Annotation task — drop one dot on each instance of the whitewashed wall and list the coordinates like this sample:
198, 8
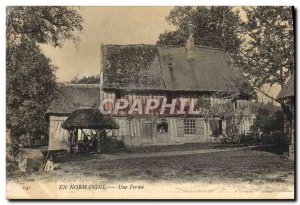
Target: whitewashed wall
58, 137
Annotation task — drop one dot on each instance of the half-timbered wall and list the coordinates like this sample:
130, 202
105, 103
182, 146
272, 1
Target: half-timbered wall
131, 96
135, 130
133, 133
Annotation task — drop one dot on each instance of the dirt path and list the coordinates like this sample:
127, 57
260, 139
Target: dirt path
106, 157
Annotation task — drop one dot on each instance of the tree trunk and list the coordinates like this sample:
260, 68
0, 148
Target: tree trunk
288, 112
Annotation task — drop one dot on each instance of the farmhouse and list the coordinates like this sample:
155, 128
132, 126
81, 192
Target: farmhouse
195, 75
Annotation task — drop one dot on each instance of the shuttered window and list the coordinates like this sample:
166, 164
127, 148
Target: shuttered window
189, 127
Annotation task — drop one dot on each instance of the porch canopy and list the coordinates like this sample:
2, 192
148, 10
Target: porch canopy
89, 119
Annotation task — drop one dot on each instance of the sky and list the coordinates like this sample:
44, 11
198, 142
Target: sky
108, 25
112, 25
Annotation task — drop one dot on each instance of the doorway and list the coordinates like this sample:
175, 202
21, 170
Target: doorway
220, 127
147, 133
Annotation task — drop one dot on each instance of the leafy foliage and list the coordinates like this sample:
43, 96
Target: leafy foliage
214, 26
267, 121
266, 55
30, 75
30, 84
226, 111
262, 46
42, 24
93, 79
268, 128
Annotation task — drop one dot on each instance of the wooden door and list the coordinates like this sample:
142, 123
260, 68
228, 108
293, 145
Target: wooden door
147, 133
220, 127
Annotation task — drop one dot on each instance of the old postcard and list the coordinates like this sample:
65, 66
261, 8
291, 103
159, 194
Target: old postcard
189, 102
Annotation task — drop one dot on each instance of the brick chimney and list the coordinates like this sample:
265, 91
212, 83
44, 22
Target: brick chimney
190, 45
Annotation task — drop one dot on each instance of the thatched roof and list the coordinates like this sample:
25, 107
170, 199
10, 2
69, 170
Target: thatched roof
89, 119
151, 67
287, 90
75, 96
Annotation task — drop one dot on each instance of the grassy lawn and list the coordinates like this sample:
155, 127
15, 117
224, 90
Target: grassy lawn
233, 166
179, 147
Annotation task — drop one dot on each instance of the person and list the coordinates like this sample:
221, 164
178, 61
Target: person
162, 130
49, 165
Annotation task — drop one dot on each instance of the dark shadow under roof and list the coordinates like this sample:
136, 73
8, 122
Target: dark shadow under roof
89, 119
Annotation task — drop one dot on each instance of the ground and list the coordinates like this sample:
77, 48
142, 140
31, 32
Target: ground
241, 164
230, 166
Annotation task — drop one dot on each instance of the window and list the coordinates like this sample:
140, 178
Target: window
189, 127
162, 127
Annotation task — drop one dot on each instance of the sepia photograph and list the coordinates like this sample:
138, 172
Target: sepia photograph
150, 102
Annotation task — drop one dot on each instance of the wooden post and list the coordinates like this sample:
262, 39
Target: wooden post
76, 136
71, 141
98, 141
102, 141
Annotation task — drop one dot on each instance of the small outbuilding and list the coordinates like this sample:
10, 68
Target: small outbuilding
69, 98
93, 125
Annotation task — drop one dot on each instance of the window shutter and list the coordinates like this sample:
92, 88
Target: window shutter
180, 126
127, 127
200, 126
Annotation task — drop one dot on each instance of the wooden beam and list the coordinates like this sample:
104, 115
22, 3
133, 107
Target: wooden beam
71, 141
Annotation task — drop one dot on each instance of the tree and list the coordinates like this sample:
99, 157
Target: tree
93, 79
30, 85
266, 55
42, 24
262, 46
30, 75
214, 26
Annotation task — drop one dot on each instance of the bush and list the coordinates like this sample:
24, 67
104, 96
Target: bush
27, 140
250, 138
277, 139
11, 167
113, 143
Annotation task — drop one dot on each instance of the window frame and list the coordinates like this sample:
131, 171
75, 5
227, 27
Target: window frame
161, 122
189, 128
